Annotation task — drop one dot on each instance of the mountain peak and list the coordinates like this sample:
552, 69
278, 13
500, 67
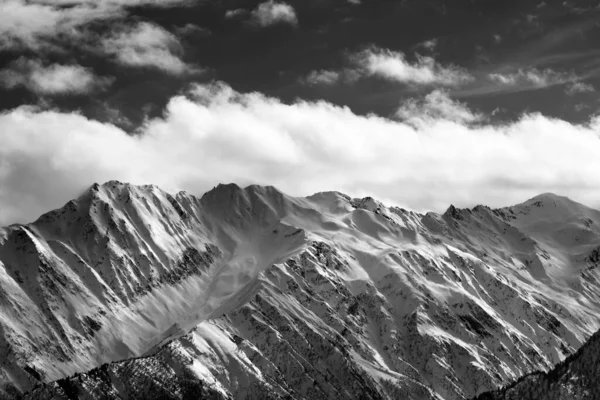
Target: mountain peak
329, 193
232, 190
547, 197
367, 203
550, 202
113, 183
262, 188
227, 189
453, 212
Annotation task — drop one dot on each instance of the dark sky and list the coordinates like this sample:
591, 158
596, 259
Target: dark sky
483, 37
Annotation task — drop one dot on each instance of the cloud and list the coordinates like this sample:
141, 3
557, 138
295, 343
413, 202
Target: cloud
271, 13
532, 77
579, 87
192, 30
53, 79
394, 66
54, 25
236, 13
146, 45
437, 105
30, 24
321, 77
511, 80
215, 134
430, 44
36, 23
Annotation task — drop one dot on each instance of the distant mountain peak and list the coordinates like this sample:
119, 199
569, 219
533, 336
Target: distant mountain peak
367, 203
556, 206
546, 198
454, 212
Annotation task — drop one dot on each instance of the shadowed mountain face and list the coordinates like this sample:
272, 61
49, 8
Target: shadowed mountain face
130, 292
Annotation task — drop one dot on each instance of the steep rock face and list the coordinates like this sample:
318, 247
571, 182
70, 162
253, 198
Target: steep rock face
575, 378
151, 378
114, 274
247, 291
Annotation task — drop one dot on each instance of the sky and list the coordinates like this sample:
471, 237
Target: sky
420, 104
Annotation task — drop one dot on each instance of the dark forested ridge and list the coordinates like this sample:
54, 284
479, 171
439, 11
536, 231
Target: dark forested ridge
575, 378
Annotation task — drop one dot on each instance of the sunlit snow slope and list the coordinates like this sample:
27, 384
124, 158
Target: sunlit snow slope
249, 293
575, 378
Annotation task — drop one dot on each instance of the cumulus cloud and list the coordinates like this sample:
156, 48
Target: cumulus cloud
321, 77
235, 13
53, 25
579, 87
430, 44
215, 134
34, 23
327, 77
30, 23
53, 79
146, 45
271, 13
394, 66
192, 30
437, 105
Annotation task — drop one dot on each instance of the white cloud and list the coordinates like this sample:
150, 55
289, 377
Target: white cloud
238, 12
271, 12
192, 30
219, 135
437, 105
27, 24
430, 44
394, 66
53, 79
147, 45
326, 77
532, 77
579, 87
321, 77
34, 23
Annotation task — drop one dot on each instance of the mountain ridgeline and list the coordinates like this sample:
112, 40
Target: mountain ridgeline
246, 293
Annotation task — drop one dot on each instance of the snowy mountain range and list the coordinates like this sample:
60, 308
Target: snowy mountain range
247, 293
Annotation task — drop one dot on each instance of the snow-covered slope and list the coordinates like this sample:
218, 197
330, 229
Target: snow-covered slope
118, 271
575, 378
249, 291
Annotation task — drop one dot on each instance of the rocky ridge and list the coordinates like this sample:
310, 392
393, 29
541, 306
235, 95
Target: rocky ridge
249, 291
